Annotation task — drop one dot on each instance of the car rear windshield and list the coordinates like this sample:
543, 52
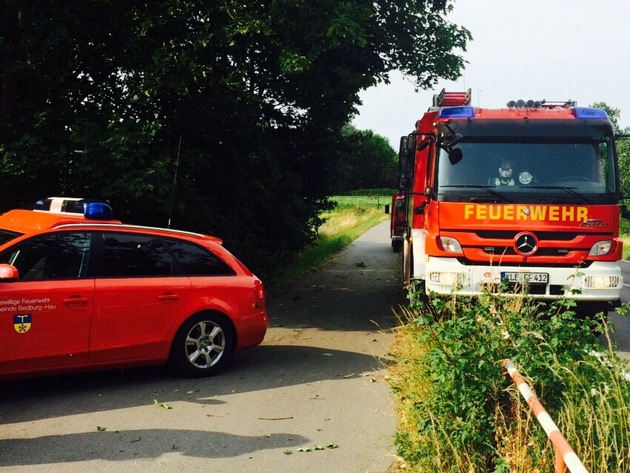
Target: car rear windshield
196, 261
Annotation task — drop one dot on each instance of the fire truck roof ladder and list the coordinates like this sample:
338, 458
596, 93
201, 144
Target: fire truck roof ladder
559, 103
451, 99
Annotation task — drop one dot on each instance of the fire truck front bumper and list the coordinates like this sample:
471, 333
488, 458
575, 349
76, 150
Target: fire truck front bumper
601, 281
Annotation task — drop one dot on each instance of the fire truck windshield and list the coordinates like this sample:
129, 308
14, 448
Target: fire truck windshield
511, 164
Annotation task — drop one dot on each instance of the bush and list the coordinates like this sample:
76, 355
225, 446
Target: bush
459, 413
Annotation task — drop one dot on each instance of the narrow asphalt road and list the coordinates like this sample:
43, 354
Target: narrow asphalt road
313, 398
342, 317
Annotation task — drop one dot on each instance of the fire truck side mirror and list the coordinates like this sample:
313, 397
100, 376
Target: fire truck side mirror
403, 155
455, 155
625, 213
403, 145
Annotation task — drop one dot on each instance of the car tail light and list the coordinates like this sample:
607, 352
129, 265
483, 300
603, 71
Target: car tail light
259, 293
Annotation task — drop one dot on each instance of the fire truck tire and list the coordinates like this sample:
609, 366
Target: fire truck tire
407, 262
589, 310
397, 246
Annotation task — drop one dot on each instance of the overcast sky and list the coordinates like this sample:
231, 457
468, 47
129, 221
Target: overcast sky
522, 49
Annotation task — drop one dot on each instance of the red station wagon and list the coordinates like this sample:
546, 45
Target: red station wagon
79, 290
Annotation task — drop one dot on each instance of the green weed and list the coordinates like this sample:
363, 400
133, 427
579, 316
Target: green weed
459, 413
624, 232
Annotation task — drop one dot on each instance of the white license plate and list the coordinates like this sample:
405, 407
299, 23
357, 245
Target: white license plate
531, 278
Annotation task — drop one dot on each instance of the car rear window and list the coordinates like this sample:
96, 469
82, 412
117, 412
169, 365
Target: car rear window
197, 261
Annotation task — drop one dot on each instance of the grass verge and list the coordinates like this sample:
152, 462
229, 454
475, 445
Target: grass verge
624, 234
459, 413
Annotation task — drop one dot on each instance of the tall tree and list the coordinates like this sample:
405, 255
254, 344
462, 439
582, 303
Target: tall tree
218, 116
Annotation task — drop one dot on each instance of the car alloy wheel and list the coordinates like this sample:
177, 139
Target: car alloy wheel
205, 344
202, 345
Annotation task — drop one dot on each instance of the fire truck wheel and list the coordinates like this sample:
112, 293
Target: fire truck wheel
397, 246
589, 310
407, 262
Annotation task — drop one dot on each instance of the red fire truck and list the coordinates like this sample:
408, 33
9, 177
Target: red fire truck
522, 197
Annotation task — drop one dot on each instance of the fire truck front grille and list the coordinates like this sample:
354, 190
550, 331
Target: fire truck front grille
509, 251
561, 246
510, 235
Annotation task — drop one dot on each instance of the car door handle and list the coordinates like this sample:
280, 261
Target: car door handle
75, 300
168, 297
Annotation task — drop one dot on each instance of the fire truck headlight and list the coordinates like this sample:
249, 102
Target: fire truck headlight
600, 248
450, 244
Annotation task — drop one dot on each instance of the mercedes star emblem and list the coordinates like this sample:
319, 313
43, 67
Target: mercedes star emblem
525, 243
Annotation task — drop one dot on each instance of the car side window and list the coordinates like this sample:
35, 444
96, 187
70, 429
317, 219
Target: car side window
128, 255
7, 235
51, 256
197, 261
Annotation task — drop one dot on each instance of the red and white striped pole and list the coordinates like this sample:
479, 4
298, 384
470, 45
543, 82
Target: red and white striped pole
565, 456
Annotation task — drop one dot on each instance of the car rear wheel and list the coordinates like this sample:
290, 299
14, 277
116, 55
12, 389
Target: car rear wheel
202, 345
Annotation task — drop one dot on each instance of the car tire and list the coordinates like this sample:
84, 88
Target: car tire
202, 345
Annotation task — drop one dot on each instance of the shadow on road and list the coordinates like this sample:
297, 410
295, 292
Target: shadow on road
136, 445
41, 398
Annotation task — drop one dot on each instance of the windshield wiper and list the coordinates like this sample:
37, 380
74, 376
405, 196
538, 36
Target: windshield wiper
489, 190
568, 190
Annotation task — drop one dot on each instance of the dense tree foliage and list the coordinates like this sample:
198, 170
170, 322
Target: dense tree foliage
367, 162
217, 116
623, 150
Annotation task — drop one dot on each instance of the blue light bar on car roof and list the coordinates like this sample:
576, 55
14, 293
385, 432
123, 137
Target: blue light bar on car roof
595, 113
92, 209
98, 211
457, 112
